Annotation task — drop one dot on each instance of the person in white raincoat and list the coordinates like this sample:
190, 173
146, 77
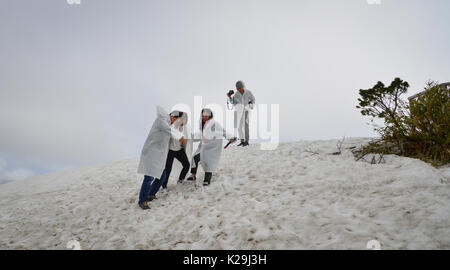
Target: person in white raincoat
210, 148
177, 150
154, 153
244, 102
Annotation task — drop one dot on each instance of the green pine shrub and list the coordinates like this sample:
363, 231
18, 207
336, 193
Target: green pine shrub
420, 129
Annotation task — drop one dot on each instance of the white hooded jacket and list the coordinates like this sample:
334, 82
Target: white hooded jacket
210, 147
156, 147
241, 101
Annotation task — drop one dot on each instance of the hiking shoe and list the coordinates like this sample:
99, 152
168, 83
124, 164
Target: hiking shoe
191, 178
163, 190
241, 144
206, 183
144, 205
245, 144
151, 198
180, 181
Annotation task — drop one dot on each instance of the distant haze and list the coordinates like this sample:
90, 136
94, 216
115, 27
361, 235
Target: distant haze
79, 83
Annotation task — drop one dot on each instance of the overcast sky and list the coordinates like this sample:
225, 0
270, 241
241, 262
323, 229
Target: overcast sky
79, 83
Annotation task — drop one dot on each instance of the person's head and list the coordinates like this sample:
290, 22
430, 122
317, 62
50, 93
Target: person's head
206, 115
183, 119
240, 86
175, 115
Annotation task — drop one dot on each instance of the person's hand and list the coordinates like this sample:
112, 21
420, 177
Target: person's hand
183, 141
232, 140
228, 95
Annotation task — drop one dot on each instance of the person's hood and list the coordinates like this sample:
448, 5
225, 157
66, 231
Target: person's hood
160, 111
162, 114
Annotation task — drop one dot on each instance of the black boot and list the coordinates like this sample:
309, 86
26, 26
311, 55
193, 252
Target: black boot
144, 205
207, 180
191, 178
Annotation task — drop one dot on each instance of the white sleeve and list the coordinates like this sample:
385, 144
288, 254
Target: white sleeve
252, 97
225, 134
176, 134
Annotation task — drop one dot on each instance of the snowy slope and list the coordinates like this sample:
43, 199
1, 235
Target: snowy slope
289, 198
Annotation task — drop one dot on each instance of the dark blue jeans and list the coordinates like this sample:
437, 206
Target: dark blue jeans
150, 186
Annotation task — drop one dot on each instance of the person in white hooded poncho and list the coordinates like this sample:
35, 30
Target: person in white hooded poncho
154, 153
210, 148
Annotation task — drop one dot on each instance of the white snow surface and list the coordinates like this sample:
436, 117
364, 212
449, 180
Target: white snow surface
288, 198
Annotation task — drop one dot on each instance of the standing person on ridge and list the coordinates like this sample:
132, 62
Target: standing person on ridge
243, 101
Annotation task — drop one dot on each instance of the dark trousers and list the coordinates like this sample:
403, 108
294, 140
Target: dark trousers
150, 186
196, 161
182, 158
208, 175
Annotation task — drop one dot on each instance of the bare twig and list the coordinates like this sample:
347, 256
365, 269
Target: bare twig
308, 150
381, 159
339, 147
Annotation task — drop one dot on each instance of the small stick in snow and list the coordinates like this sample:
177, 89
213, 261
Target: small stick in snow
307, 150
339, 147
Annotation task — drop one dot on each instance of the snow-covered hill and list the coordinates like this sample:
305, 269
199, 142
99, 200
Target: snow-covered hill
290, 198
